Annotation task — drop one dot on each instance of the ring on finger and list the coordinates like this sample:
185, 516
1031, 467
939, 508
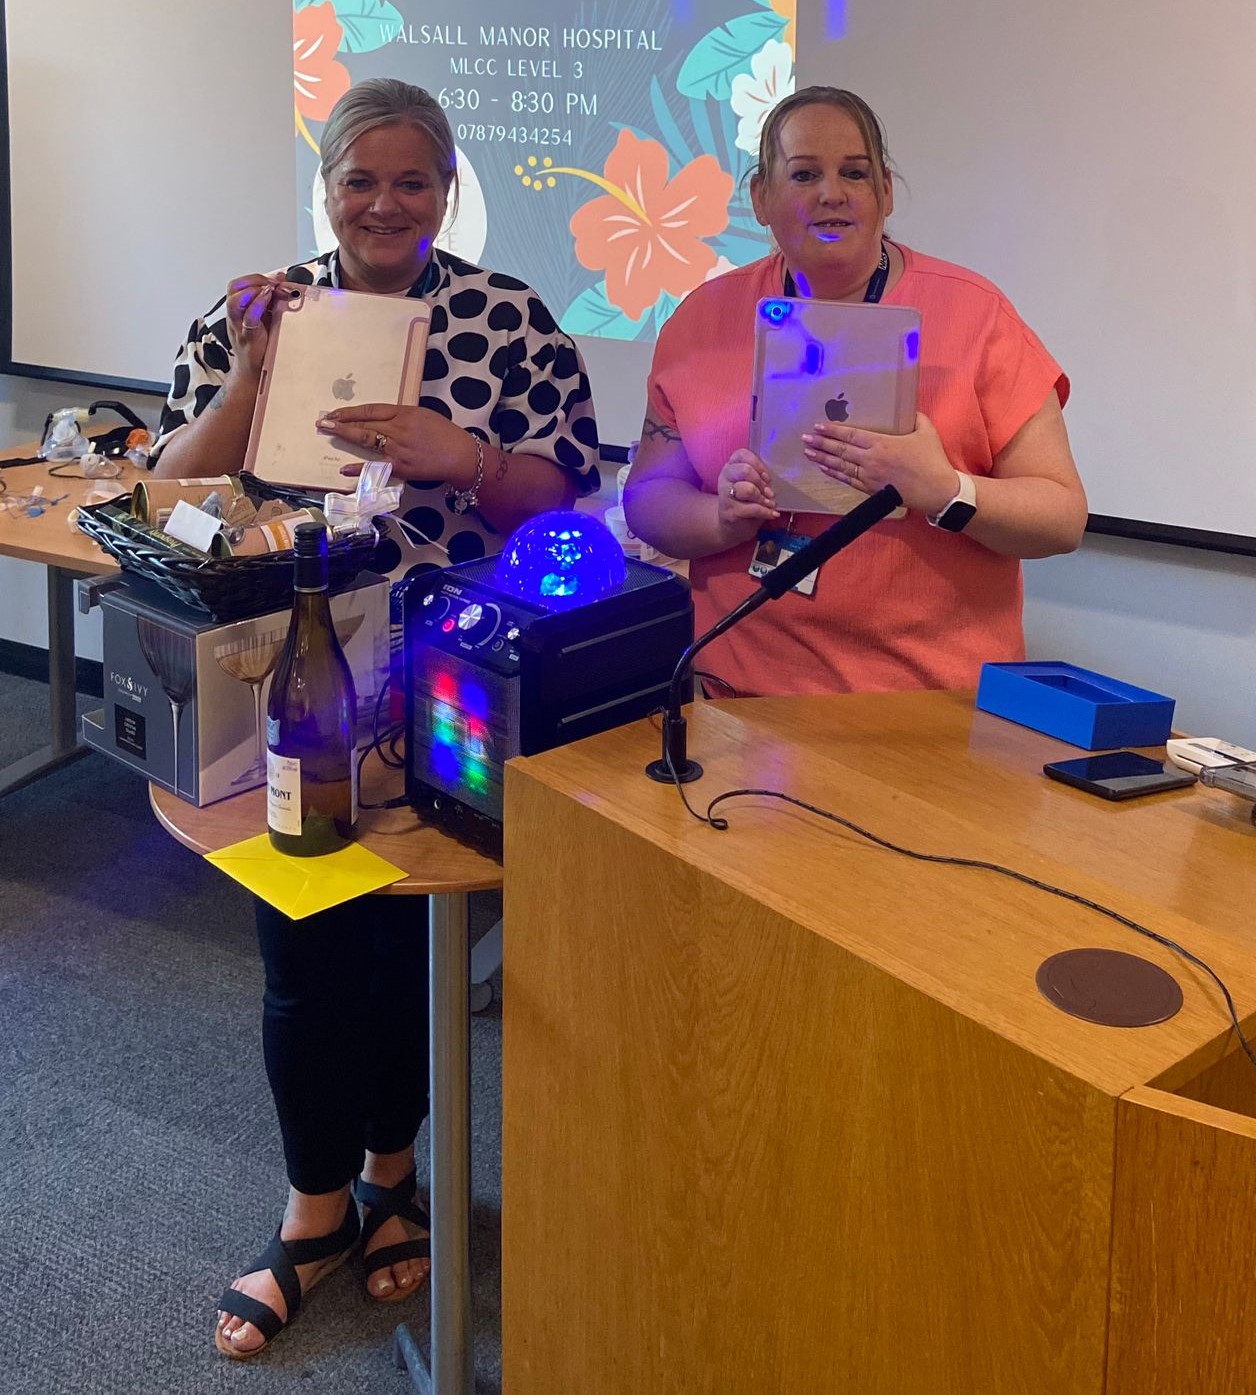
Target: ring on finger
732, 490
381, 441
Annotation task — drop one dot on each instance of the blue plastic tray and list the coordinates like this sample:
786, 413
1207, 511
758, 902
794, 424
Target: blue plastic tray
1087, 709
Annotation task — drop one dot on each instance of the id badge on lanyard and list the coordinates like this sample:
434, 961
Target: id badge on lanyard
772, 547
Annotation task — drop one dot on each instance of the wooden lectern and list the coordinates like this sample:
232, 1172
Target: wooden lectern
785, 1112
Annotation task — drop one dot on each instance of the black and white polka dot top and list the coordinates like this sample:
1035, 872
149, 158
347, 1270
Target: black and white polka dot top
497, 364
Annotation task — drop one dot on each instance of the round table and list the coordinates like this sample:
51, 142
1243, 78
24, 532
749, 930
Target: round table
443, 869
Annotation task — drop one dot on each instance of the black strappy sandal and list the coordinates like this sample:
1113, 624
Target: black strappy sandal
281, 1257
385, 1203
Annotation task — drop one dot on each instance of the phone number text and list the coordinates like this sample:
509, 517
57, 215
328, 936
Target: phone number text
519, 135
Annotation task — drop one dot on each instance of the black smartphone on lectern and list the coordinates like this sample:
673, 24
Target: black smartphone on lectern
1118, 775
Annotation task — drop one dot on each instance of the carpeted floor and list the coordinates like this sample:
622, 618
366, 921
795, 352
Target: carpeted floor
139, 1161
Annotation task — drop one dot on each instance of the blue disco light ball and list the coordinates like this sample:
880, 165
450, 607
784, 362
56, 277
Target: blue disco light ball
561, 560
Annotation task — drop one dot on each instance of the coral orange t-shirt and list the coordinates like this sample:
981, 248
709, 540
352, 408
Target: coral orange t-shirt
906, 605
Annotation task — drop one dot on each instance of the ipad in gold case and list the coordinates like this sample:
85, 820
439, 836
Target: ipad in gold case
824, 359
330, 348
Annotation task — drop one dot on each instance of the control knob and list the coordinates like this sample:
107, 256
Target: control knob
478, 623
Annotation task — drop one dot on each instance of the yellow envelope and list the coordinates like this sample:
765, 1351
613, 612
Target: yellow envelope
299, 886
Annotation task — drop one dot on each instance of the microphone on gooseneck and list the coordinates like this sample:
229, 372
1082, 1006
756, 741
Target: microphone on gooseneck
835, 537
675, 765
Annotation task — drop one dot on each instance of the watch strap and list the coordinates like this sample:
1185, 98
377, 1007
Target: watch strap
956, 515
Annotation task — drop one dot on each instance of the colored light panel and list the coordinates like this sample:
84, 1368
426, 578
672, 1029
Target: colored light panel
461, 751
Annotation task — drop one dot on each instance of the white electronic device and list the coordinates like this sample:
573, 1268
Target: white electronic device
1198, 752
818, 359
330, 348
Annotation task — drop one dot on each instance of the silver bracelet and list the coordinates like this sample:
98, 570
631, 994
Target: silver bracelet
460, 500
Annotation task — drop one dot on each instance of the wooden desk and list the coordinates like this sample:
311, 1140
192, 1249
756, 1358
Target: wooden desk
444, 870
785, 1111
66, 553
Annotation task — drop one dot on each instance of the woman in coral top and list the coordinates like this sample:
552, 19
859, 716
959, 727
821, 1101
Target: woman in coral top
987, 475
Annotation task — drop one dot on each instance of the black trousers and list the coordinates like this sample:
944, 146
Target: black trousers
345, 1032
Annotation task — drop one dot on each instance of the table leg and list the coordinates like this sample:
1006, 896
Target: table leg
62, 710
451, 1369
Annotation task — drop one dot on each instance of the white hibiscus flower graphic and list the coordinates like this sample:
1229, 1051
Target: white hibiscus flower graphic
754, 94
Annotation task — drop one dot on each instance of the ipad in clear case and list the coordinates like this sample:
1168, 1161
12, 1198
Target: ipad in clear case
818, 359
329, 348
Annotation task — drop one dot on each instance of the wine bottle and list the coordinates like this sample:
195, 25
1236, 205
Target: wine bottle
311, 765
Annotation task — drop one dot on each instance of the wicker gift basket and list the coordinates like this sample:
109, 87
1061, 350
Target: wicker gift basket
228, 588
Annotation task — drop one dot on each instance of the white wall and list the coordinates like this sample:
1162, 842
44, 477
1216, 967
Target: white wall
1172, 619
135, 200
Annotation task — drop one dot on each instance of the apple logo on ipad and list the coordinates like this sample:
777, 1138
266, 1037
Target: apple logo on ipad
837, 408
343, 389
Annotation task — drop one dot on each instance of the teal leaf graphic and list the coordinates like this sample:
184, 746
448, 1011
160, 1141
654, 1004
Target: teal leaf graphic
746, 223
738, 159
741, 249
677, 146
591, 313
702, 126
635, 130
367, 24
717, 58
663, 308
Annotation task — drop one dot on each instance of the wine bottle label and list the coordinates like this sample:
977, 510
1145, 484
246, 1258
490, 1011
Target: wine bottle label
283, 793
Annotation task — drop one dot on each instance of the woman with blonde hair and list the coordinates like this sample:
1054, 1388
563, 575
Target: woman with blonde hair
503, 429
987, 475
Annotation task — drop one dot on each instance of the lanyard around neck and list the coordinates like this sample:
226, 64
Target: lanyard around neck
876, 286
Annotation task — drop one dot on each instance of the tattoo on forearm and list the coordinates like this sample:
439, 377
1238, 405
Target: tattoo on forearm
503, 465
653, 427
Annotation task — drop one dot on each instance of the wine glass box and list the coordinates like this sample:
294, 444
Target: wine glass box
185, 695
